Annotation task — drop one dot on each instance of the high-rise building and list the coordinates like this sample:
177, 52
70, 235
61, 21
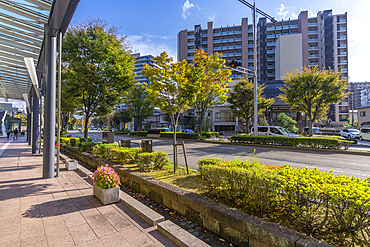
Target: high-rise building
139, 66
360, 94
317, 41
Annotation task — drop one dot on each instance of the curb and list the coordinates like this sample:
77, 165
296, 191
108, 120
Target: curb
172, 231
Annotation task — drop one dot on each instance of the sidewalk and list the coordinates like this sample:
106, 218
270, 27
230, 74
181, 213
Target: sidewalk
61, 211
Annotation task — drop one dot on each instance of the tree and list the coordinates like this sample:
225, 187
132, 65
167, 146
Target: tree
287, 122
212, 79
98, 68
170, 90
139, 104
241, 100
122, 116
312, 91
262, 122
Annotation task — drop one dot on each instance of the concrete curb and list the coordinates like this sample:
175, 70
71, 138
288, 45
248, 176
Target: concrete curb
178, 235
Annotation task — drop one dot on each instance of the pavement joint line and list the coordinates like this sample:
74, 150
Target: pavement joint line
2, 149
144, 212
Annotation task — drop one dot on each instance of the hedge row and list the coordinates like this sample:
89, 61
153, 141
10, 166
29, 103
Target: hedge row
306, 142
73, 141
122, 132
139, 133
319, 203
179, 135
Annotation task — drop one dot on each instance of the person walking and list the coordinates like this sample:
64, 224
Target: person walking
7, 133
15, 134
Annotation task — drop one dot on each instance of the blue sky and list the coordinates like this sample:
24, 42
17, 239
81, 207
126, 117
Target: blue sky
152, 26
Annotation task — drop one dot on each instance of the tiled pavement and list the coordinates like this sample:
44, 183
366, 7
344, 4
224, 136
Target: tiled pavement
61, 211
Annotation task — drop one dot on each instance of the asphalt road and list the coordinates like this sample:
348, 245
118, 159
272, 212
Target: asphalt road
346, 164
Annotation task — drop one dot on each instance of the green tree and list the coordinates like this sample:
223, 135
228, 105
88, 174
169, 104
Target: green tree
312, 91
212, 82
171, 90
262, 122
98, 68
122, 116
140, 106
241, 100
287, 122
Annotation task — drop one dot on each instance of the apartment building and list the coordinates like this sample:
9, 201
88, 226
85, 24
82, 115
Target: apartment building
318, 41
138, 67
360, 94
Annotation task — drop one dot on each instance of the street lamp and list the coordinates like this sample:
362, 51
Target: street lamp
273, 19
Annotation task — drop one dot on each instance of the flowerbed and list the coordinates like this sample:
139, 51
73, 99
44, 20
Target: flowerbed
323, 205
305, 142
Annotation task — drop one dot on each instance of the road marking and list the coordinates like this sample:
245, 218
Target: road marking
2, 149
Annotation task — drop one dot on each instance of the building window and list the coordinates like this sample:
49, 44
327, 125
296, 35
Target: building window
362, 113
217, 115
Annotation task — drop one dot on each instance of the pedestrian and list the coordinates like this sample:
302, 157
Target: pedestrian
7, 133
15, 134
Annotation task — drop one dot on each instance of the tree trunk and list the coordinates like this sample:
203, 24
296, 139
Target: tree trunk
86, 129
247, 126
174, 149
201, 117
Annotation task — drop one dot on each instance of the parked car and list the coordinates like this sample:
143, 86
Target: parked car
350, 133
164, 130
315, 130
187, 131
273, 131
365, 134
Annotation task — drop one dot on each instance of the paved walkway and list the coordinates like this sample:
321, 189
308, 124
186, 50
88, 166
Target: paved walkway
61, 211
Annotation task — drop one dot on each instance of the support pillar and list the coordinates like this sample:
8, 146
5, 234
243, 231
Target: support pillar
49, 106
29, 120
28, 128
35, 122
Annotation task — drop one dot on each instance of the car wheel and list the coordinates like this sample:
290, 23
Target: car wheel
349, 136
361, 139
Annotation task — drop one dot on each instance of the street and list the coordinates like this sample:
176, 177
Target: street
346, 164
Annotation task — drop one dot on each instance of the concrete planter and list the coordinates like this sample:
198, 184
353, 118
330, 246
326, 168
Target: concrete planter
107, 196
71, 165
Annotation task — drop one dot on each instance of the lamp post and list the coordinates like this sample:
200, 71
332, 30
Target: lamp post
273, 19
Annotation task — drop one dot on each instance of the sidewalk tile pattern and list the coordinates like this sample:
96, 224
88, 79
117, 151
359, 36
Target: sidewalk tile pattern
61, 211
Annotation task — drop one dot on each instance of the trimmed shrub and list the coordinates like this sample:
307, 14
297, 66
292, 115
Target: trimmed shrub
179, 135
87, 146
305, 142
150, 161
125, 155
122, 132
210, 134
73, 141
103, 150
141, 133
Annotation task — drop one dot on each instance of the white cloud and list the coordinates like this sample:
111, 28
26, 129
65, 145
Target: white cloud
282, 11
211, 17
185, 7
146, 46
16, 103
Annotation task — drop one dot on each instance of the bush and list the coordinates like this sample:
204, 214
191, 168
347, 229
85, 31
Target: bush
306, 142
210, 134
126, 155
103, 150
141, 133
87, 146
122, 132
150, 161
179, 135
82, 139
73, 141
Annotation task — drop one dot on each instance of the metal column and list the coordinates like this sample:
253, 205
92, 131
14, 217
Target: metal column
35, 122
28, 127
29, 119
49, 106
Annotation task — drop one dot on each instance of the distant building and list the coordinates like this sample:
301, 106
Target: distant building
360, 94
314, 41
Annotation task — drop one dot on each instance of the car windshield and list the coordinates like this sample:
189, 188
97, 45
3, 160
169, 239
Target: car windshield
353, 131
282, 129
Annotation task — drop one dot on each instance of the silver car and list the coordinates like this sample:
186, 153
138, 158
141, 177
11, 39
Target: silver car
350, 133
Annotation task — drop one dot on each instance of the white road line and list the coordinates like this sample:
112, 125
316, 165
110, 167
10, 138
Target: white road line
2, 149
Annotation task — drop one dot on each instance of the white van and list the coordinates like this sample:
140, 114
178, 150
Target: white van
365, 134
273, 131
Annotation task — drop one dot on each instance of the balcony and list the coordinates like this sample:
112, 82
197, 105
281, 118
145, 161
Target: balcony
343, 104
294, 26
238, 54
270, 51
270, 74
190, 57
190, 50
313, 56
270, 28
286, 27
313, 63
270, 36
238, 46
237, 39
341, 29
238, 31
270, 66
312, 40
312, 32
216, 34
312, 48
342, 45
342, 21
312, 24
250, 60
270, 44
342, 37
190, 43
217, 48
271, 59
342, 53
342, 62
250, 37
204, 34
190, 36
216, 41
204, 42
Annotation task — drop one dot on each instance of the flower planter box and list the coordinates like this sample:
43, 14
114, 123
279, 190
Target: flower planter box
107, 196
71, 165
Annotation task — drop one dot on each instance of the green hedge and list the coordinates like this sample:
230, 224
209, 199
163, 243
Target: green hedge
306, 142
141, 133
122, 132
154, 160
103, 150
210, 134
179, 135
125, 155
82, 139
321, 204
87, 146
